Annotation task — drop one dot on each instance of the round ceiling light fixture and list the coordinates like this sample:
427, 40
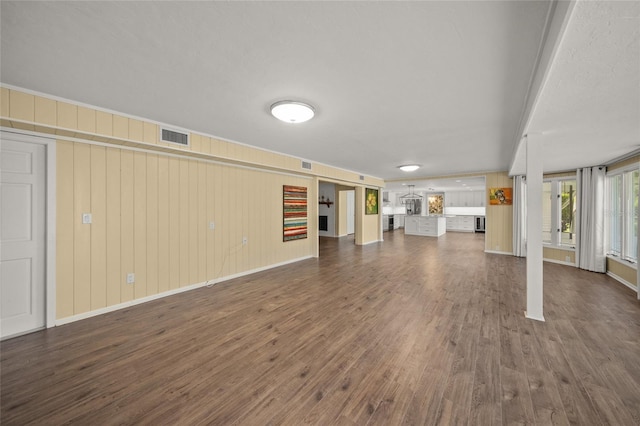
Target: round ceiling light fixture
292, 111
409, 167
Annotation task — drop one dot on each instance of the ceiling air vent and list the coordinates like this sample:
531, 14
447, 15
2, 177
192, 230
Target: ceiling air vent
361, 177
172, 136
306, 165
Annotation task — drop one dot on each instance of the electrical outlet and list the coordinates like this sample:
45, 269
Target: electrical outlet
244, 241
212, 225
86, 218
567, 259
131, 278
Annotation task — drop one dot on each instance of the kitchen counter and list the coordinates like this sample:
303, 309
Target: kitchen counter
429, 226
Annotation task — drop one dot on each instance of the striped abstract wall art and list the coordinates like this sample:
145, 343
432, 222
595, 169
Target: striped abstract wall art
295, 212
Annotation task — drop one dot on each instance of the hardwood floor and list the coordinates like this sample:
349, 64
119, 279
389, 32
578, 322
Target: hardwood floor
415, 330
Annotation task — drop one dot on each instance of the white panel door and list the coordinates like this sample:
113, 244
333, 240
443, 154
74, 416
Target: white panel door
351, 212
23, 237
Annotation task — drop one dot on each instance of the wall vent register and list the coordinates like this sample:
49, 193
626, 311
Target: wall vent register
172, 136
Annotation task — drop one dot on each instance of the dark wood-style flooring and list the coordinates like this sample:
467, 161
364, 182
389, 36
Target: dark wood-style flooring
415, 330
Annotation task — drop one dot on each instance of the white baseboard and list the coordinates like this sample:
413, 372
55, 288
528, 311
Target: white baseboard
499, 252
623, 281
172, 292
533, 317
560, 262
371, 242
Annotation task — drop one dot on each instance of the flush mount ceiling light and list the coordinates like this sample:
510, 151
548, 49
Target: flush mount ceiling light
409, 167
292, 111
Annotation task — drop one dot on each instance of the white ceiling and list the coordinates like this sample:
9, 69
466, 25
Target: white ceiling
442, 84
588, 109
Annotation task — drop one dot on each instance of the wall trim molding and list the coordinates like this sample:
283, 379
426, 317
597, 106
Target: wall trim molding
130, 303
560, 262
499, 252
149, 150
158, 123
622, 281
371, 242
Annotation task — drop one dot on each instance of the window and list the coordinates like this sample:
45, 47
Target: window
622, 215
559, 204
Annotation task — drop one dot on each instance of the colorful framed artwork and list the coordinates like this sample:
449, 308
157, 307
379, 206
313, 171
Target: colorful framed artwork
436, 204
294, 209
371, 201
500, 197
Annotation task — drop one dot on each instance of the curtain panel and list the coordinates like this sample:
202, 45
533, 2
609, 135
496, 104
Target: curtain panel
590, 252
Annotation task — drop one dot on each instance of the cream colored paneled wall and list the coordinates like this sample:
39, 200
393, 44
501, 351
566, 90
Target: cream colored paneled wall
499, 219
559, 255
151, 216
31, 112
625, 272
151, 210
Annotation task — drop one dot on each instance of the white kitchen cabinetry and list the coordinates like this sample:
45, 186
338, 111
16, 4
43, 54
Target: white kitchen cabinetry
398, 221
429, 226
452, 199
461, 223
464, 199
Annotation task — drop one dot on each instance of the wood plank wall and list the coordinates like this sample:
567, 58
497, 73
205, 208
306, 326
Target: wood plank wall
151, 210
499, 219
151, 215
22, 110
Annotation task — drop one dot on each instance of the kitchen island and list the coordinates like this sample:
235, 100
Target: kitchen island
429, 226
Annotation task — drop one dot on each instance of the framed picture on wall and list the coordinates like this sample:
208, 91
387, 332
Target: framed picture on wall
500, 196
294, 209
371, 201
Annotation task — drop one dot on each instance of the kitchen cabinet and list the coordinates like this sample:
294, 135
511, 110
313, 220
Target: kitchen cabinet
460, 223
429, 226
464, 199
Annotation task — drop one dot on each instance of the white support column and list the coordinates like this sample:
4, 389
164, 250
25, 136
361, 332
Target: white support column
534, 228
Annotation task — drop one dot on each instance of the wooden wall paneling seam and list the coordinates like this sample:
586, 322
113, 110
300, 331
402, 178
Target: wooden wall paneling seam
113, 228
210, 216
104, 123
127, 253
152, 241
86, 120
194, 185
140, 225
21, 105
98, 227
65, 230
184, 222
82, 232
163, 224
224, 225
45, 111
67, 115
175, 245
202, 221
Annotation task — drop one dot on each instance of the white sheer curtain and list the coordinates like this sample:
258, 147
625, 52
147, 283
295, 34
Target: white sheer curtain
590, 254
519, 216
